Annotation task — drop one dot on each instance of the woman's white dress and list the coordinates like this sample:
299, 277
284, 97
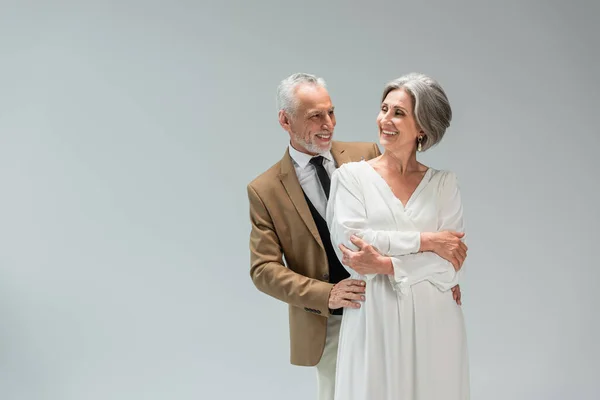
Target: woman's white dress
407, 341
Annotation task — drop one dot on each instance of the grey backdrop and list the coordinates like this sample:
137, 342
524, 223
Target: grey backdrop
130, 129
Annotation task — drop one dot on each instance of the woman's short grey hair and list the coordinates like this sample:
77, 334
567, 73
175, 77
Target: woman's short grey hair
286, 98
431, 107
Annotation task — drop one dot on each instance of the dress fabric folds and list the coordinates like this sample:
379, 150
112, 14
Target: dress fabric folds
408, 340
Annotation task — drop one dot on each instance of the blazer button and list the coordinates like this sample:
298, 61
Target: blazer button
326, 277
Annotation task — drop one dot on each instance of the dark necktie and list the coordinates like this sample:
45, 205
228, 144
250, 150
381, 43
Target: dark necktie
322, 174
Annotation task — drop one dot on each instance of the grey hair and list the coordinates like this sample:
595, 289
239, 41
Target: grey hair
286, 99
431, 107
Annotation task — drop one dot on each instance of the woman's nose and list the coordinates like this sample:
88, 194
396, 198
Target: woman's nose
386, 117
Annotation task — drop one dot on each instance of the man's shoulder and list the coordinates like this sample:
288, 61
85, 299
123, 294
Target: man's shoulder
355, 151
358, 146
267, 178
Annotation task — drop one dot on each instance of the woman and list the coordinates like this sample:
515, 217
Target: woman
407, 341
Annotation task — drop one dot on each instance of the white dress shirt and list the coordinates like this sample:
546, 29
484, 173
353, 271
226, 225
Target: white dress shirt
307, 176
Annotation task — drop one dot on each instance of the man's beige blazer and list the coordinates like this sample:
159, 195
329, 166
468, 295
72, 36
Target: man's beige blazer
283, 228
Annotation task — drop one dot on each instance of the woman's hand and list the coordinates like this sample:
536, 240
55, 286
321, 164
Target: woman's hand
366, 260
446, 244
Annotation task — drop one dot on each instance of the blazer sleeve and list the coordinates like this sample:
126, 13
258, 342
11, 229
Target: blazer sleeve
267, 270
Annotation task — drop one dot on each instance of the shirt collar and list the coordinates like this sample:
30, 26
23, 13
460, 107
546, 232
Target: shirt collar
302, 159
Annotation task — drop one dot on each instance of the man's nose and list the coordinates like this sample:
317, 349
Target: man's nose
328, 123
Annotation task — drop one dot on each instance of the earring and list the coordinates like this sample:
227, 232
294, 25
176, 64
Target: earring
420, 146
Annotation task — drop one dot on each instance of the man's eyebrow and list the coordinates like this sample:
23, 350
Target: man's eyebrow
320, 111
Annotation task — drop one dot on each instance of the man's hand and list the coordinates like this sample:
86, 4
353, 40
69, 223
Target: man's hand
446, 244
366, 260
456, 294
347, 293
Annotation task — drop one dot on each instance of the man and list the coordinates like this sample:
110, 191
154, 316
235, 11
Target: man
287, 211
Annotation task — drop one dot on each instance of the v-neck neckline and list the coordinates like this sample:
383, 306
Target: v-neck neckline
424, 180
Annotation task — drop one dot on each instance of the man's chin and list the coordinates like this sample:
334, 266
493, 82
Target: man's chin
321, 149
314, 148
326, 149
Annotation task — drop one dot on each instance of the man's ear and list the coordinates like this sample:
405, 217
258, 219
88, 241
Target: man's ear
284, 120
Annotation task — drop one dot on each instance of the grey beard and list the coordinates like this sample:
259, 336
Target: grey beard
311, 147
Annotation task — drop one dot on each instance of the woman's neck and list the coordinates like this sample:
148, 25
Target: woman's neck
403, 160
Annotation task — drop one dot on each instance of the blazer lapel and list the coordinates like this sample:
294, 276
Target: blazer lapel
294, 190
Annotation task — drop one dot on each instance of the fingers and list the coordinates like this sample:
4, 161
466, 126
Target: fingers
353, 282
349, 286
339, 303
456, 297
455, 263
454, 257
456, 294
358, 242
461, 245
345, 251
461, 259
348, 255
350, 304
457, 234
353, 296
460, 253
347, 293
353, 289
346, 261
349, 299
457, 244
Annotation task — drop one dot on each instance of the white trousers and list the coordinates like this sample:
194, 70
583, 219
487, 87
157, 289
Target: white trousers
326, 366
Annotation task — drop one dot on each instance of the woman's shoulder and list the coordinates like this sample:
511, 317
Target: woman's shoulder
442, 174
351, 172
352, 167
444, 179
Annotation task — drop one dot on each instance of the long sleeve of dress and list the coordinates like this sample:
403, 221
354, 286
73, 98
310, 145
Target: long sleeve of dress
414, 268
409, 331
346, 216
